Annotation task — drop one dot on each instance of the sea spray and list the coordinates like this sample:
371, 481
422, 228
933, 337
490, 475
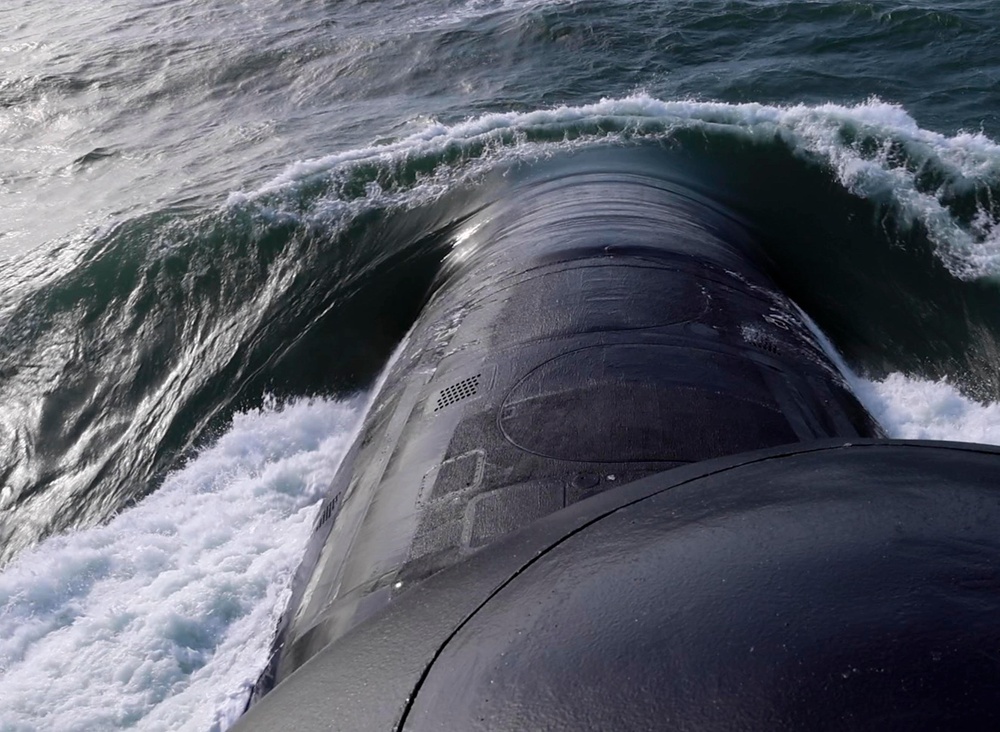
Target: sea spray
162, 618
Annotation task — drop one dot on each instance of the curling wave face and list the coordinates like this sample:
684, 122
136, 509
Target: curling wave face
213, 300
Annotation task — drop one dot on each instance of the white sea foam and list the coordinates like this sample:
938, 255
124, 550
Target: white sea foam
918, 409
875, 149
163, 617
910, 408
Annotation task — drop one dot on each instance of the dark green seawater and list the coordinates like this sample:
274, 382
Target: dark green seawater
218, 219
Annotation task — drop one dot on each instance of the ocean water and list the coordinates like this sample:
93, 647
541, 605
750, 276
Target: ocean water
218, 219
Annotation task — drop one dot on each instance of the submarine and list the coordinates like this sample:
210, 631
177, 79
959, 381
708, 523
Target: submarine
614, 479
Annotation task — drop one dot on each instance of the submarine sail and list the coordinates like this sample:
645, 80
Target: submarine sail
613, 480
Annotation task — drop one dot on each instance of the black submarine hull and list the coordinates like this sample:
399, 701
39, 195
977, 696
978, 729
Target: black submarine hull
829, 586
594, 347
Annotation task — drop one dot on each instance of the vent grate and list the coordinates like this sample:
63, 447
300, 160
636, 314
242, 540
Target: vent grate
328, 511
457, 392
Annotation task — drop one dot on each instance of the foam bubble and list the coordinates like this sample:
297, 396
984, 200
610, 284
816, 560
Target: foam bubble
875, 149
162, 618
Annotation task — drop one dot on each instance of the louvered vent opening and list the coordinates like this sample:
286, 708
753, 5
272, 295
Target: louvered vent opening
328, 511
457, 392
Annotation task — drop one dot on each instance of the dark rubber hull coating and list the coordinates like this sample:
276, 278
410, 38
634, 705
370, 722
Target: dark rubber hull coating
822, 587
586, 334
